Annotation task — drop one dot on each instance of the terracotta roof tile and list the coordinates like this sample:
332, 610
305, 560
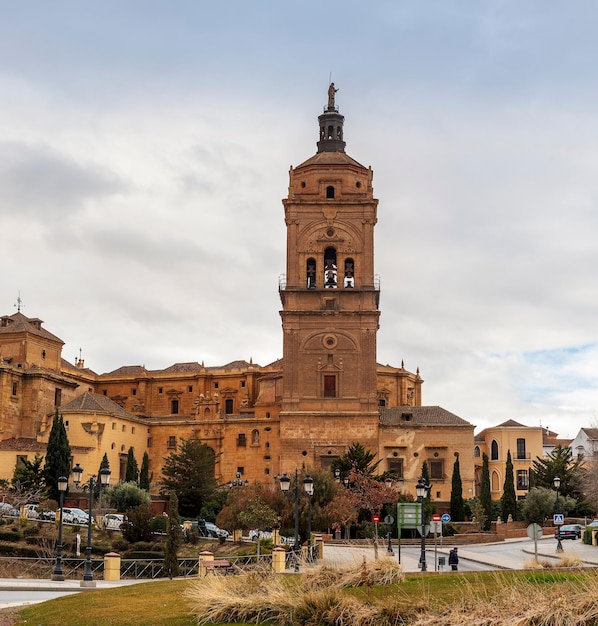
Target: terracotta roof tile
419, 416
93, 402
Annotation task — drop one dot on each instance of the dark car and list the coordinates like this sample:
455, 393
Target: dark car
569, 531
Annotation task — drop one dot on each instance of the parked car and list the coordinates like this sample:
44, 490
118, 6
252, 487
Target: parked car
48, 516
214, 531
75, 516
593, 524
262, 534
31, 511
569, 531
8, 510
113, 521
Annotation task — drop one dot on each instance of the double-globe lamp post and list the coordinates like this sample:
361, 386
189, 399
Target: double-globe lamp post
308, 486
557, 485
77, 472
58, 574
388, 483
421, 489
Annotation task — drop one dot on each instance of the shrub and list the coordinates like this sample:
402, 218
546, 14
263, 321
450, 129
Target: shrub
120, 544
158, 524
10, 536
31, 530
136, 526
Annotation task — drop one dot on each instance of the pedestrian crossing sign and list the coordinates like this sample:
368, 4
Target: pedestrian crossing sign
558, 519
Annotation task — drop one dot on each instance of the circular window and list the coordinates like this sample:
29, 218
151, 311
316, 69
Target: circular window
395, 453
435, 454
330, 342
330, 232
416, 454
304, 453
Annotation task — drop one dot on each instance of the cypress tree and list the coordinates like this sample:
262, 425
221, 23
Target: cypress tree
58, 457
173, 537
485, 496
132, 471
457, 504
103, 463
508, 501
144, 475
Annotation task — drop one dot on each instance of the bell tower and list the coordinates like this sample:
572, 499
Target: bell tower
330, 297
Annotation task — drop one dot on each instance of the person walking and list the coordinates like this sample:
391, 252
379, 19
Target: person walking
453, 559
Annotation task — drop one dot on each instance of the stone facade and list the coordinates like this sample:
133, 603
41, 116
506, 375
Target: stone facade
326, 392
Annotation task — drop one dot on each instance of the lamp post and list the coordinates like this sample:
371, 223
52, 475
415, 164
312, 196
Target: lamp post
557, 485
58, 574
422, 493
308, 485
77, 472
389, 519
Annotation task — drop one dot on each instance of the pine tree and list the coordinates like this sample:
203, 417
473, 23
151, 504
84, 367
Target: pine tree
457, 504
132, 471
508, 501
485, 495
173, 537
144, 475
58, 457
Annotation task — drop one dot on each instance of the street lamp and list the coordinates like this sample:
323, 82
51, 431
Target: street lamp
237, 482
58, 574
308, 485
77, 472
557, 485
389, 550
422, 493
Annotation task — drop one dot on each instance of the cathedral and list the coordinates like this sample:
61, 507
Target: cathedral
305, 410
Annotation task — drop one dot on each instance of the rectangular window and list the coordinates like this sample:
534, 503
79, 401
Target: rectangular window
134, 392
190, 388
159, 389
21, 458
124, 428
241, 440
215, 385
242, 384
171, 442
329, 386
174, 407
396, 467
521, 448
149, 442
132, 430
57, 397
436, 469
228, 406
240, 470
14, 389
105, 392
522, 479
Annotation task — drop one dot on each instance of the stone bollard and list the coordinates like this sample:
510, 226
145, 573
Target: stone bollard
204, 557
319, 543
278, 560
275, 537
237, 535
111, 566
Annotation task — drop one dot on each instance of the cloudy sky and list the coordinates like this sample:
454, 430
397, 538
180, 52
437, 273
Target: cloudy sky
144, 154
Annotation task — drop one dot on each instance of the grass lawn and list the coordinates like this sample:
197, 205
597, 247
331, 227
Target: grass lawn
162, 603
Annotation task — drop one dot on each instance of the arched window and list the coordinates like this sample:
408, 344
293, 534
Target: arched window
495, 482
311, 273
349, 274
494, 450
255, 437
330, 271
476, 452
330, 191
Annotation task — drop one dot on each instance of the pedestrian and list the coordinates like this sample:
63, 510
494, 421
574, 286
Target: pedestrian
453, 559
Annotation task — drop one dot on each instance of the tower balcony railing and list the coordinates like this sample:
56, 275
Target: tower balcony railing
282, 284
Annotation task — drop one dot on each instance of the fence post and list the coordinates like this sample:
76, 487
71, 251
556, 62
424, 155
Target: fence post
278, 560
111, 566
204, 557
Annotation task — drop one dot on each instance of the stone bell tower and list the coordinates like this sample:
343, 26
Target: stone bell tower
330, 297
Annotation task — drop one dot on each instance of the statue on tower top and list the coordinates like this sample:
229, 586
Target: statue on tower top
331, 92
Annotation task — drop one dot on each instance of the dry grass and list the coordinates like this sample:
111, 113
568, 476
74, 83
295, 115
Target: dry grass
563, 561
369, 595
